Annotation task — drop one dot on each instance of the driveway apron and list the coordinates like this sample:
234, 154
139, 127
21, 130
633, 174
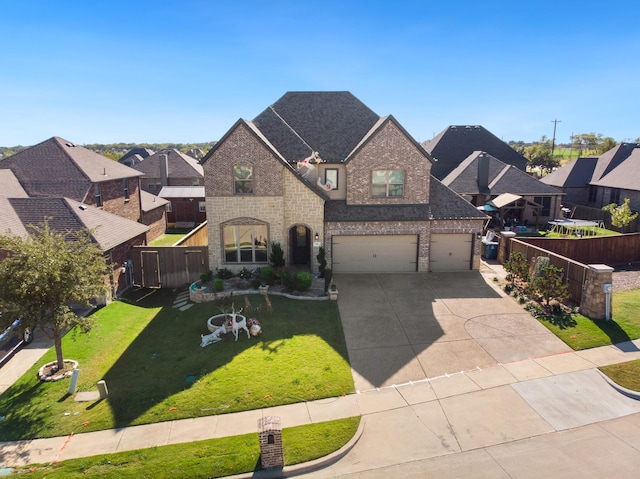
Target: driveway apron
406, 327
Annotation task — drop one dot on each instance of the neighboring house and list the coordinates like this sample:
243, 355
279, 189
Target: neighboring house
57, 168
454, 144
135, 155
320, 169
169, 168
597, 182
186, 205
179, 179
518, 198
114, 235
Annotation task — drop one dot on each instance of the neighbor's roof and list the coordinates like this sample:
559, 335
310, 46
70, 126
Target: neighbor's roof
447, 204
57, 167
503, 178
626, 175
10, 187
64, 214
182, 192
576, 174
331, 123
180, 165
149, 201
456, 142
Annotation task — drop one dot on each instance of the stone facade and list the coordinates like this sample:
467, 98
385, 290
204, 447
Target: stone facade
389, 149
593, 304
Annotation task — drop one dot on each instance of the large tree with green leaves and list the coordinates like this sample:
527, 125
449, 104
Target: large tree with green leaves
621, 215
539, 155
44, 274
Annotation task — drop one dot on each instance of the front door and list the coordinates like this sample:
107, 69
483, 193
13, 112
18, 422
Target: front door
299, 241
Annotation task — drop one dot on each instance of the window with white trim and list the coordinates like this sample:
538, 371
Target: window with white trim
202, 207
387, 183
245, 243
243, 180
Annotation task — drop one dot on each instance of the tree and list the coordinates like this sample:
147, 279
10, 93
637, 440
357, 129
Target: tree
606, 145
621, 215
518, 267
539, 155
44, 274
549, 285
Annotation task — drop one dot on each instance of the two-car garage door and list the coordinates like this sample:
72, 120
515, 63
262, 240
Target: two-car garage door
399, 253
379, 253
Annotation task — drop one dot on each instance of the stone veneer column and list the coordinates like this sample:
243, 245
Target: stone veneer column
593, 302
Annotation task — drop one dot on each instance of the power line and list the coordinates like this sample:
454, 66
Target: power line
553, 141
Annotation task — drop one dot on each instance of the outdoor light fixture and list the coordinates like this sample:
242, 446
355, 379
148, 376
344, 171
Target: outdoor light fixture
317, 237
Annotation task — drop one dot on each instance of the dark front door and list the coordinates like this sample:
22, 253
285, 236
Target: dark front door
299, 239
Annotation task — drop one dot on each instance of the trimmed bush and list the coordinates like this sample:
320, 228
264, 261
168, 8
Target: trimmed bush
288, 280
218, 284
267, 276
322, 262
277, 255
206, 276
303, 281
225, 273
328, 275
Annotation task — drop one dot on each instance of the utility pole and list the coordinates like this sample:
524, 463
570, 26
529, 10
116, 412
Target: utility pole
553, 141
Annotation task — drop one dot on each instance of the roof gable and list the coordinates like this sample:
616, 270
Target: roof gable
452, 145
180, 165
576, 174
10, 187
626, 174
331, 123
57, 167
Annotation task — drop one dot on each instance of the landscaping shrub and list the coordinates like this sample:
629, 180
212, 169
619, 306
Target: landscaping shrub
225, 273
549, 285
277, 255
218, 284
245, 273
267, 275
328, 275
322, 262
206, 276
303, 281
288, 280
517, 267
256, 283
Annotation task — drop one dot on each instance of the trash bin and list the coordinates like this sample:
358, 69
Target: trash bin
490, 249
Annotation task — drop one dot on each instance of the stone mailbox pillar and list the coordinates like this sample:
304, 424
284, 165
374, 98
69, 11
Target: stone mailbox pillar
270, 435
593, 304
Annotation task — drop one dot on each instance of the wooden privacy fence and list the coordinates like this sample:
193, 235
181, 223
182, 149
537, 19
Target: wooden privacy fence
611, 250
575, 272
169, 266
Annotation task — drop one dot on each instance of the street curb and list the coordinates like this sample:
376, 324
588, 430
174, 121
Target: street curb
306, 467
621, 389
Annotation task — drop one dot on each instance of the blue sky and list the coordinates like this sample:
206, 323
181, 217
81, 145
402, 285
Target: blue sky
185, 71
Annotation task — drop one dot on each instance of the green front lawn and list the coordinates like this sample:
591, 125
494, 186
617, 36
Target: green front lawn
580, 332
625, 374
149, 354
211, 458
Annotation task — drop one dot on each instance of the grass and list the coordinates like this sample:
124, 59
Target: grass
171, 237
625, 374
203, 459
149, 354
580, 332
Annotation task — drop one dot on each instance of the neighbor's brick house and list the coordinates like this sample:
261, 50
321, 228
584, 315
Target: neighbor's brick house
322, 169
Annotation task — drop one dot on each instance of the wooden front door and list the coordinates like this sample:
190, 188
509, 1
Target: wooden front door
299, 241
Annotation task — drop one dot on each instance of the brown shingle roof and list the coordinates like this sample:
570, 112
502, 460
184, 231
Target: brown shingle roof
180, 165
57, 167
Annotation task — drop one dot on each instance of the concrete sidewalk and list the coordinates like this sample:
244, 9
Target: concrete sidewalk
452, 414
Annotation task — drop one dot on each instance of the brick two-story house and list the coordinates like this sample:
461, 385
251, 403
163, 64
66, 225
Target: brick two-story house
58, 168
322, 169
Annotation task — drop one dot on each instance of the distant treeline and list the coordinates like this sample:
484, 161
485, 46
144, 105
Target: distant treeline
117, 150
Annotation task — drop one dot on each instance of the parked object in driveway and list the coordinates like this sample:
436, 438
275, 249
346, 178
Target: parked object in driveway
12, 339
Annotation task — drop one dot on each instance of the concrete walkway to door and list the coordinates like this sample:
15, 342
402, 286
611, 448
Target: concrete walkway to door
402, 328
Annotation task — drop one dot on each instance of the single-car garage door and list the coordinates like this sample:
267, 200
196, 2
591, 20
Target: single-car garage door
379, 253
450, 252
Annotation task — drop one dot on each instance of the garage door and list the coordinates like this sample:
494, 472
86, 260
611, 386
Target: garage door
450, 252
375, 254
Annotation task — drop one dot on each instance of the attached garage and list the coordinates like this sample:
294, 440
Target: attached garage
375, 253
450, 252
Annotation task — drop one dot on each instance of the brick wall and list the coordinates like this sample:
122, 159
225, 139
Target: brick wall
117, 257
389, 149
113, 200
280, 199
241, 148
156, 220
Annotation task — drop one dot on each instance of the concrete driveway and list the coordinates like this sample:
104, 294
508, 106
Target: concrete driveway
408, 327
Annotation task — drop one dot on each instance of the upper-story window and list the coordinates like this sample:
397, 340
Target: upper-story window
125, 187
387, 183
243, 180
98, 196
331, 175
